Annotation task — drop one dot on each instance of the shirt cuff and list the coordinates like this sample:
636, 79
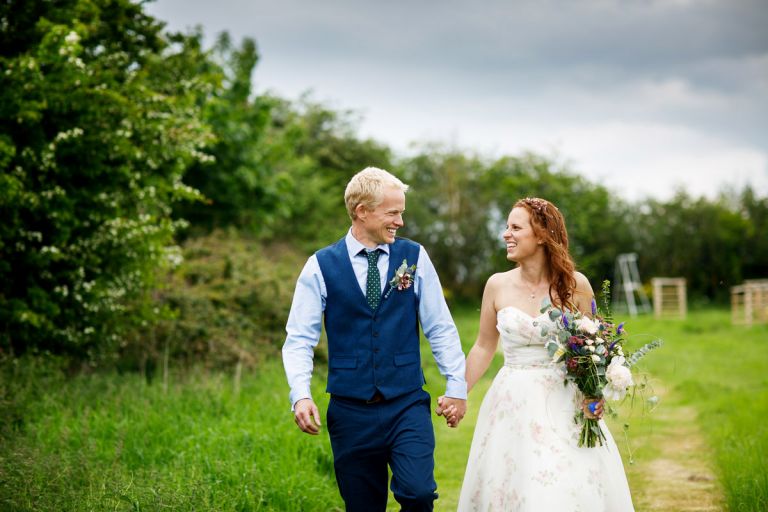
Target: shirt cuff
456, 389
299, 395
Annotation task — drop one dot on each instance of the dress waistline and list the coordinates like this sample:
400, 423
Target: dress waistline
531, 366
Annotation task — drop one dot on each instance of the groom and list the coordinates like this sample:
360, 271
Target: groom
372, 301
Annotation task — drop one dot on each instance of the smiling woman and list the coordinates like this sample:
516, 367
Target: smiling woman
528, 469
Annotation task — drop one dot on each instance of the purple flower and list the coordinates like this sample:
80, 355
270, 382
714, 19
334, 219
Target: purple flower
565, 321
620, 328
594, 307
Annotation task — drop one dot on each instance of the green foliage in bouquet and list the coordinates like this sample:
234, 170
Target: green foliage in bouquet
591, 349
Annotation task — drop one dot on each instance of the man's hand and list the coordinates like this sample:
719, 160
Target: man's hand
452, 409
307, 416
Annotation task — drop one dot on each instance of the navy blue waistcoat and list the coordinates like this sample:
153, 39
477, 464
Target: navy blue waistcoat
370, 350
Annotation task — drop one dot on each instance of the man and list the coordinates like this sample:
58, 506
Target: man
371, 298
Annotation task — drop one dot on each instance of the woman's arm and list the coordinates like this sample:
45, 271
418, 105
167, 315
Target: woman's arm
583, 294
483, 350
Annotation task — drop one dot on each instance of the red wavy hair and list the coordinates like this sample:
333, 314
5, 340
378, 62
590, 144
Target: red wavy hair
549, 225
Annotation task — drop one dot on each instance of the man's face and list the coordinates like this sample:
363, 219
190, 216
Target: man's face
378, 226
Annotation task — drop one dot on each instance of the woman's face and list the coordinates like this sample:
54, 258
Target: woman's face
519, 236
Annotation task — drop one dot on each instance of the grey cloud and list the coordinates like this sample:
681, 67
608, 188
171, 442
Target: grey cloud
700, 64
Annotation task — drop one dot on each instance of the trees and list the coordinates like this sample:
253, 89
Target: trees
596, 220
107, 124
754, 210
98, 120
459, 204
240, 181
699, 239
276, 166
447, 211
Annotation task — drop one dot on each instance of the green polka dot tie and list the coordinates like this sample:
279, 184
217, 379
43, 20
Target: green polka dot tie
373, 285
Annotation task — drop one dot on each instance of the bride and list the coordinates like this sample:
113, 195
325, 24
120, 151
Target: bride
524, 453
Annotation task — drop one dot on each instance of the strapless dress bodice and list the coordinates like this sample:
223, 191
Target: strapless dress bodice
521, 337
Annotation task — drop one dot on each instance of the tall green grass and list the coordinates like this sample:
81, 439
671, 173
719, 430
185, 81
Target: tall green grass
112, 442
706, 363
721, 371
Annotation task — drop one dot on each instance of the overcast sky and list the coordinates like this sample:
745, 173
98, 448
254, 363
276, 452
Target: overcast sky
641, 95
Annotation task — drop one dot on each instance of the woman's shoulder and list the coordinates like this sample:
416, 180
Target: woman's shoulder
583, 287
581, 280
500, 278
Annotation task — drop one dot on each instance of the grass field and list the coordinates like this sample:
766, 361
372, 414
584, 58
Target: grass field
706, 365
719, 372
112, 442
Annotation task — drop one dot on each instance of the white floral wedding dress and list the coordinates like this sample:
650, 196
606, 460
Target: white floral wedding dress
524, 454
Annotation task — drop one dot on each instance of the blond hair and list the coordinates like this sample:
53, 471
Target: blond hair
367, 188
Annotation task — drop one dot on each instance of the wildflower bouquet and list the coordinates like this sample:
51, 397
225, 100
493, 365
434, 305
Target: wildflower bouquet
591, 348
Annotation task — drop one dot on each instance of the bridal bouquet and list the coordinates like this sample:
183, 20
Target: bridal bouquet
591, 348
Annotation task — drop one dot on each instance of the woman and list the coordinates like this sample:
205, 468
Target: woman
524, 453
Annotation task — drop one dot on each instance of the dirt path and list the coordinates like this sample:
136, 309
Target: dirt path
680, 477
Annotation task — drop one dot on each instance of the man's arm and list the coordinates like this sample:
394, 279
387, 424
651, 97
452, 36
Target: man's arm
440, 331
303, 333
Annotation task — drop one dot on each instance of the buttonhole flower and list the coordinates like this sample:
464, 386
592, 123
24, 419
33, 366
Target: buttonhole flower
403, 278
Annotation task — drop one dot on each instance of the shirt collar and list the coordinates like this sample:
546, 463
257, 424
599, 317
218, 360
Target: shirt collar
354, 247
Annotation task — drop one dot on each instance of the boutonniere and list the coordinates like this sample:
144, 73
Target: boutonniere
403, 278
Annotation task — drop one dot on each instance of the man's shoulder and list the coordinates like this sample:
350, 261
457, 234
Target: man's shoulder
335, 246
407, 242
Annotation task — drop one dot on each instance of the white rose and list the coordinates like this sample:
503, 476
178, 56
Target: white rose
587, 325
595, 358
600, 341
590, 341
611, 393
618, 375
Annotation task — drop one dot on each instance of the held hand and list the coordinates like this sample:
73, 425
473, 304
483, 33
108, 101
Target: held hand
444, 410
452, 409
439, 409
593, 408
307, 416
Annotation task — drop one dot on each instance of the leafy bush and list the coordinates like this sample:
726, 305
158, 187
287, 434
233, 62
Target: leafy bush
229, 301
98, 120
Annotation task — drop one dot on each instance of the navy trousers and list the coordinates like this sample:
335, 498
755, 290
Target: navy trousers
366, 438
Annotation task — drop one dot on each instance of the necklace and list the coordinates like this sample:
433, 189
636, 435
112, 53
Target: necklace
533, 289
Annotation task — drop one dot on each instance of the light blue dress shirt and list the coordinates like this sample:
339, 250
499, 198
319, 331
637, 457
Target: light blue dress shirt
306, 317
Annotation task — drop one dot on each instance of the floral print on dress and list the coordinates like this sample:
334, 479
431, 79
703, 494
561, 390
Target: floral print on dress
524, 454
